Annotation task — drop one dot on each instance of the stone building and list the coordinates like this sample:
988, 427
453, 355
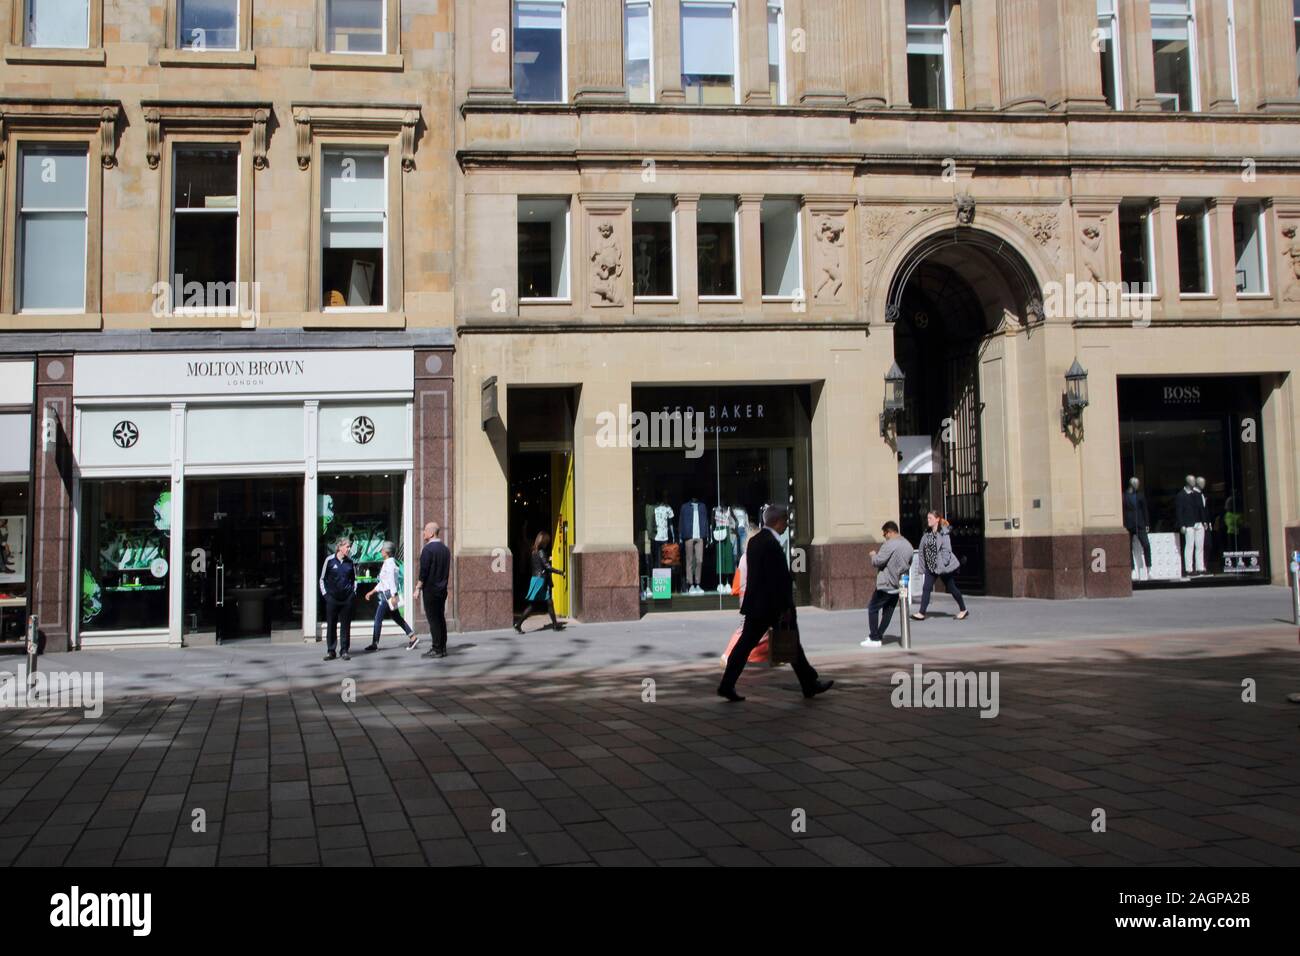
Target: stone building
694, 238
225, 308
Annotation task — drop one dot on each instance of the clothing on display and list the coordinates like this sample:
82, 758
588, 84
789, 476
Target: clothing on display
1137, 521
724, 540
1192, 516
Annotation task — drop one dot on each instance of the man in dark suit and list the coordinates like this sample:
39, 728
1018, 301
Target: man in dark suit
338, 585
769, 600
435, 572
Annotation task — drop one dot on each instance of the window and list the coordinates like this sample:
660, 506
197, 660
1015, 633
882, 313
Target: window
205, 227
716, 240
1248, 245
52, 233
1136, 248
356, 26
929, 79
1107, 38
208, 25
366, 509
638, 46
782, 263
654, 268
1173, 44
125, 550
539, 56
1193, 229
709, 52
776, 51
58, 23
543, 248
354, 228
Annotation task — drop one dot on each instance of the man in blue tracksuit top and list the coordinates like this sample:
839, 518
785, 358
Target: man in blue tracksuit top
338, 585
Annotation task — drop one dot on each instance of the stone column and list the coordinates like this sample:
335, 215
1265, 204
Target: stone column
753, 53
979, 57
491, 74
1136, 61
668, 51
688, 273
596, 46
1223, 259
824, 61
1019, 45
864, 53
1216, 66
895, 27
50, 562
432, 498
1073, 78
1277, 57
1165, 268
751, 250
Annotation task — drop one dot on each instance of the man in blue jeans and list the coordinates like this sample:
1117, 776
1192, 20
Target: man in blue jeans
891, 562
338, 585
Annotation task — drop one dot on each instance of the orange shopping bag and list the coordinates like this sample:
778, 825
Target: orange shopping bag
759, 655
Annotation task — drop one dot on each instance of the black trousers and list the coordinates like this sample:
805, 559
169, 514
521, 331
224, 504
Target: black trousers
752, 632
1146, 545
435, 612
949, 582
338, 624
886, 600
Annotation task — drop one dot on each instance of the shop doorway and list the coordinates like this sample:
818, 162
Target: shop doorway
541, 487
243, 547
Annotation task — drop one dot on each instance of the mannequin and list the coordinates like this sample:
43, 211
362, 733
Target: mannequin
724, 536
1137, 521
1189, 509
663, 529
692, 526
742, 529
1205, 516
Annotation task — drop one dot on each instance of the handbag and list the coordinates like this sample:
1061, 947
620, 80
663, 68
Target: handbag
670, 554
783, 639
394, 601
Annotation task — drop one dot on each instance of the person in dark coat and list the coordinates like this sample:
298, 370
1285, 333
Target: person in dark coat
768, 601
1137, 522
431, 589
338, 585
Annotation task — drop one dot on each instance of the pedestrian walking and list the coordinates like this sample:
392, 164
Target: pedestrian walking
435, 572
390, 598
892, 561
768, 601
762, 652
939, 562
338, 585
539, 585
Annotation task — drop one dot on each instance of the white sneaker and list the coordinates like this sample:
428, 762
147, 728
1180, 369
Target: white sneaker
870, 643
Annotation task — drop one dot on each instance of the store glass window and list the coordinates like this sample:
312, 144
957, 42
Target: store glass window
63, 24
355, 26
52, 230
782, 261
1248, 245
1136, 248
205, 227
354, 228
1193, 230
638, 46
708, 52
543, 247
125, 554
366, 509
1107, 43
654, 273
705, 462
208, 24
928, 49
539, 60
15, 499
1173, 47
776, 52
716, 247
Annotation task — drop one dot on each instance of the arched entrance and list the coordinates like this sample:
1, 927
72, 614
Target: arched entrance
951, 292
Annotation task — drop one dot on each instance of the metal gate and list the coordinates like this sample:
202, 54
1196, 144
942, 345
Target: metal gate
963, 485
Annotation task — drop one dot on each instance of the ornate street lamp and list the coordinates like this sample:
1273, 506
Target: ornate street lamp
1075, 399
893, 410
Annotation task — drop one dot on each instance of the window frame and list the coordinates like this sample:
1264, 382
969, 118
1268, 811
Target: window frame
17, 50
568, 247
1117, 66
1149, 240
672, 238
796, 202
738, 295
782, 64
20, 212
1193, 58
207, 310
321, 210
735, 42
391, 58
1261, 235
175, 53
564, 49
650, 17
908, 27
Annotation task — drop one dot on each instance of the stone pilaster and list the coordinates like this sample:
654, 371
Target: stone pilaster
667, 52
824, 61
1019, 55
1214, 38
864, 53
1165, 268
1276, 55
1136, 60
50, 562
753, 53
1073, 79
596, 45
491, 73
688, 274
751, 250
433, 426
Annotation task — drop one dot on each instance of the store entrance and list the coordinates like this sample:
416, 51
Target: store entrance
243, 554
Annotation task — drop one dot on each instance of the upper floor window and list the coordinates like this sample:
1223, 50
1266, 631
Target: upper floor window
717, 246
1137, 247
52, 232
208, 25
709, 42
543, 248
355, 26
1248, 244
1173, 46
1107, 45
61, 24
638, 47
1193, 231
539, 56
354, 228
205, 227
779, 237
929, 54
654, 261
776, 51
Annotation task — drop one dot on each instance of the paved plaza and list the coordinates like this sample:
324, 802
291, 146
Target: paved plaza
604, 744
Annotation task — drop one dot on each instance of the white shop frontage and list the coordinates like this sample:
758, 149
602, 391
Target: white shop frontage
210, 486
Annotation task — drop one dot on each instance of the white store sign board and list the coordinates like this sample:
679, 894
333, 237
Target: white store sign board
244, 434
15, 443
363, 433
17, 383
124, 437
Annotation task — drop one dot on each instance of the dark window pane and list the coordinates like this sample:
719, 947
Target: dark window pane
125, 542
652, 247
206, 178
539, 53
1133, 246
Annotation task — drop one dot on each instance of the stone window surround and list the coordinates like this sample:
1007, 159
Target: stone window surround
89, 122
92, 55
172, 123
321, 126
391, 60
172, 53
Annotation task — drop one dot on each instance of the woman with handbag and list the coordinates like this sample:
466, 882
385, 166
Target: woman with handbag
539, 585
939, 562
390, 598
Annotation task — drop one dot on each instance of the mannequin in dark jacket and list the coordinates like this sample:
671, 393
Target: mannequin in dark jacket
1137, 521
1190, 512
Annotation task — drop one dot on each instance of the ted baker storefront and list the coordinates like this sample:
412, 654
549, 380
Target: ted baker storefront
211, 486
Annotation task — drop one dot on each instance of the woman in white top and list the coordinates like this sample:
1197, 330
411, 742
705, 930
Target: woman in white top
389, 598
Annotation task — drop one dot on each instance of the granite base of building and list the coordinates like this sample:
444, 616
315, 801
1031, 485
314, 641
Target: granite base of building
842, 576
607, 584
1058, 567
484, 590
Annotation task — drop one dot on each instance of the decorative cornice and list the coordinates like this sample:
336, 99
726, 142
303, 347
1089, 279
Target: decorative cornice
174, 116
87, 116
383, 120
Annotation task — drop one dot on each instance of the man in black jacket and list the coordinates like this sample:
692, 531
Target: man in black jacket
435, 571
769, 600
338, 585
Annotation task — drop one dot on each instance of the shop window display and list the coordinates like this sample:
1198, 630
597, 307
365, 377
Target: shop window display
125, 542
366, 509
707, 463
14, 500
